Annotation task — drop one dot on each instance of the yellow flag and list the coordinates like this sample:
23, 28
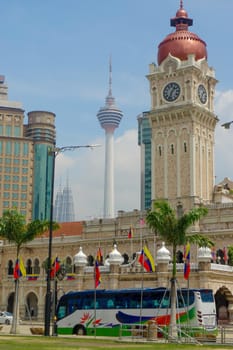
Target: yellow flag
21, 267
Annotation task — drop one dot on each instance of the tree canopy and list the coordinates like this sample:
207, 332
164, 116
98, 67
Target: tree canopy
173, 228
14, 228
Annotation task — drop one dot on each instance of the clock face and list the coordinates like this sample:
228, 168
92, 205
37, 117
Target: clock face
171, 91
202, 94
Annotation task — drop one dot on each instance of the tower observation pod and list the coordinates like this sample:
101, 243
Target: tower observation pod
109, 117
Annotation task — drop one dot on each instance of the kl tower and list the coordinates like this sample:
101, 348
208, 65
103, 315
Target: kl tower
109, 117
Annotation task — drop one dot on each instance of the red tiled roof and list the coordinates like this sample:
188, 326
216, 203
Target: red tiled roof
67, 229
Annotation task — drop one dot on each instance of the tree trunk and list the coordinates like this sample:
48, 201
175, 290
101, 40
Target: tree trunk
173, 326
15, 323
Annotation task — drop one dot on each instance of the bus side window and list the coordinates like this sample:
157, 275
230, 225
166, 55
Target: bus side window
110, 304
156, 303
165, 303
120, 304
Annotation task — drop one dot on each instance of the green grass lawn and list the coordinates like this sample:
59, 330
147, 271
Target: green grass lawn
13, 342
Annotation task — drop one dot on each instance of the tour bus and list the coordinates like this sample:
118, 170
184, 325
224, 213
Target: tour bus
108, 312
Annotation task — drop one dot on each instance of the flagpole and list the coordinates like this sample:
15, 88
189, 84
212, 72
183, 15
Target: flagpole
142, 281
142, 286
131, 242
96, 283
95, 302
188, 300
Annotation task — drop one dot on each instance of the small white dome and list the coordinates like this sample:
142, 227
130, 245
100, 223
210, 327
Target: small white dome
163, 254
204, 254
80, 259
115, 257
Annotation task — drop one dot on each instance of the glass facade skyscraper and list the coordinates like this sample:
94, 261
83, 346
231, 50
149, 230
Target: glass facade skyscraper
144, 141
25, 165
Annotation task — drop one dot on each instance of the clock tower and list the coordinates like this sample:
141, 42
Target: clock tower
182, 118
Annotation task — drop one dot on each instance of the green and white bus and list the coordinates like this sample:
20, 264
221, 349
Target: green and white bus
105, 312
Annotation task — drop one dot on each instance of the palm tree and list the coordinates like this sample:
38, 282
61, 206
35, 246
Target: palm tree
14, 228
173, 229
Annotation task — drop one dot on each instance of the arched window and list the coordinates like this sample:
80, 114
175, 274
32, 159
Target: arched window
172, 148
29, 267
160, 151
126, 258
37, 266
90, 260
179, 257
10, 269
68, 265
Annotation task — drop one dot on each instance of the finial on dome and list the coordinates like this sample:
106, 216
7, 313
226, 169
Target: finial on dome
181, 21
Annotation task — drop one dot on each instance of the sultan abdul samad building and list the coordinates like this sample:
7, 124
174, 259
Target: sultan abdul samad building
178, 166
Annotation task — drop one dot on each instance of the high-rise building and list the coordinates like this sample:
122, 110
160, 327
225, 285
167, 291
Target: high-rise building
144, 141
25, 163
41, 131
64, 205
182, 118
109, 117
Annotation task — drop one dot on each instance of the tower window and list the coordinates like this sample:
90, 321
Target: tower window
160, 151
172, 148
185, 147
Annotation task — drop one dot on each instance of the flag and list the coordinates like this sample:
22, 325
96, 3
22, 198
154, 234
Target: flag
225, 256
32, 277
97, 275
70, 276
213, 254
55, 267
99, 256
130, 233
146, 260
142, 222
187, 261
19, 269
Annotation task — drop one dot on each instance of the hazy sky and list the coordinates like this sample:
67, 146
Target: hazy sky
55, 55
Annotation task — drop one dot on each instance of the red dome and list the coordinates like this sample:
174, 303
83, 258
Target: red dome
182, 42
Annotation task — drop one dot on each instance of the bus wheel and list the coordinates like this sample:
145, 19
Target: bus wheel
79, 330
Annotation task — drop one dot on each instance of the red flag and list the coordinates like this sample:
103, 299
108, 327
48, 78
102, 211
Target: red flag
97, 275
56, 267
130, 233
19, 269
225, 257
17, 272
187, 261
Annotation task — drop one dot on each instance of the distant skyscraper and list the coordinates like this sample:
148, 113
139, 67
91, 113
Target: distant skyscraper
109, 117
58, 206
64, 205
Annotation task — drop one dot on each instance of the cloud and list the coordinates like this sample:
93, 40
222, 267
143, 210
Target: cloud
224, 137
84, 169
224, 105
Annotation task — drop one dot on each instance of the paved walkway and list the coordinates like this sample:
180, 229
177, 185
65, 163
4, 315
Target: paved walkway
23, 328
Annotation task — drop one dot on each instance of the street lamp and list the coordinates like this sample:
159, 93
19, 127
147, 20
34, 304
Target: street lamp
53, 152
